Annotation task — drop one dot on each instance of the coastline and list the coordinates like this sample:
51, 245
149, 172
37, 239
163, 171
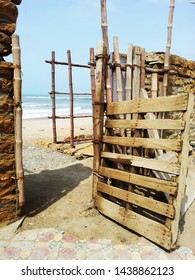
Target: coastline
41, 129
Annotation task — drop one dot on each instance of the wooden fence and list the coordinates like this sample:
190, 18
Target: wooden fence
139, 175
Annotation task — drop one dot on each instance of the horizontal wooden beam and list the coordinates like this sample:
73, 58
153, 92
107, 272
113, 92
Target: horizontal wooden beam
146, 124
140, 180
139, 200
68, 117
150, 105
154, 164
164, 144
68, 93
148, 228
66, 63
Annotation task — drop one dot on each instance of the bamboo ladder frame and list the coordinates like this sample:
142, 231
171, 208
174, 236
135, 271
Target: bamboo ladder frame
53, 92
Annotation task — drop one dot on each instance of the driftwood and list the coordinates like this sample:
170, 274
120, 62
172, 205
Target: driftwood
18, 117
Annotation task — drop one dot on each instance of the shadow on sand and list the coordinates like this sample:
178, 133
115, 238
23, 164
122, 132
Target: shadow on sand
45, 188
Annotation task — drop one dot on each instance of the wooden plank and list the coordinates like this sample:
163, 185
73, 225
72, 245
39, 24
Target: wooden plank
158, 104
154, 164
143, 181
184, 158
165, 144
148, 228
139, 200
146, 124
154, 86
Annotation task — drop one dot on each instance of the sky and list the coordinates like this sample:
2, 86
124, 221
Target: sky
47, 25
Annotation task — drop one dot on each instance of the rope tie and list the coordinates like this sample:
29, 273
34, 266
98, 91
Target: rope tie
99, 56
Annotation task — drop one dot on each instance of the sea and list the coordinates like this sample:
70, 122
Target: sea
40, 106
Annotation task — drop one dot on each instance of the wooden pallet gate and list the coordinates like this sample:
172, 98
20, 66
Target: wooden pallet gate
139, 175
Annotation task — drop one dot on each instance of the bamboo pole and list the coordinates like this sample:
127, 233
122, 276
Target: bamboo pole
92, 73
136, 88
143, 69
168, 46
18, 117
98, 116
118, 69
128, 85
53, 97
66, 63
104, 26
71, 100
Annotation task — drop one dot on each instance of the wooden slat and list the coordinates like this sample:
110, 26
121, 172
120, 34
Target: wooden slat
184, 158
139, 200
152, 230
154, 164
164, 144
146, 124
158, 104
144, 181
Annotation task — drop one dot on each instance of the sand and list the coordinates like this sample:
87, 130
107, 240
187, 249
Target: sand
41, 129
59, 195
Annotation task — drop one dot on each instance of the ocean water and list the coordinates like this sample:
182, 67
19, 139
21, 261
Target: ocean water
39, 106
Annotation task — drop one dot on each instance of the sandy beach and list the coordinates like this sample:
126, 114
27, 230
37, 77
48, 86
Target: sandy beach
58, 189
41, 129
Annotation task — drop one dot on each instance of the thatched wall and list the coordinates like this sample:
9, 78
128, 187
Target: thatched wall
9, 210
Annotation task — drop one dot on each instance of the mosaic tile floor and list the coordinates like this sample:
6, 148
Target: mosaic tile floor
51, 244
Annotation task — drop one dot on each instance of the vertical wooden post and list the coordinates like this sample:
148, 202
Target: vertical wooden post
143, 72
154, 87
98, 112
71, 100
136, 88
128, 85
18, 117
105, 39
118, 69
119, 89
53, 96
92, 73
168, 46
183, 159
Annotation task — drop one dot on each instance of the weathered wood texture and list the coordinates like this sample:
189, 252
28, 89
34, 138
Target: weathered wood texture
160, 104
140, 224
98, 111
126, 189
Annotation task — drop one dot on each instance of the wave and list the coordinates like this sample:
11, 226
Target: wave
76, 96
40, 113
36, 97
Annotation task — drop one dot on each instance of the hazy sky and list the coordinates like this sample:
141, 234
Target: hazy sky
46, 25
